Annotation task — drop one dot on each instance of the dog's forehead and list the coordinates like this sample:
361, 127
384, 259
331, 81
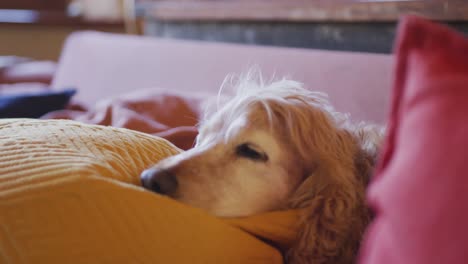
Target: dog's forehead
234, 128
221, 122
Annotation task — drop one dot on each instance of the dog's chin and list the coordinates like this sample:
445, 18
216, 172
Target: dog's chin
223, 211
229, 214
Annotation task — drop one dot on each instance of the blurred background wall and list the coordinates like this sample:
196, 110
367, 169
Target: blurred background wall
349, 25
37, 28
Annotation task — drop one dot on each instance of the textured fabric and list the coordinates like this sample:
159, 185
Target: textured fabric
158, 112
421, 191
70, 192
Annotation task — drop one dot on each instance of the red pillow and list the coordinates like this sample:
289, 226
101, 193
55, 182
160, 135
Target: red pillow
420, 193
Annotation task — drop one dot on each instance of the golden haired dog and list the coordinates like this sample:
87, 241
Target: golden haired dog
279, 146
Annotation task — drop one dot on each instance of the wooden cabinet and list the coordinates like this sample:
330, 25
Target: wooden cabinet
333, 24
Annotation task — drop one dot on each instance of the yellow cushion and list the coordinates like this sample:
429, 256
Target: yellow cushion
69, 193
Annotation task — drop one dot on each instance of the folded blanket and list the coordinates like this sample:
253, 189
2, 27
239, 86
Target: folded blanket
166, 114
70, 192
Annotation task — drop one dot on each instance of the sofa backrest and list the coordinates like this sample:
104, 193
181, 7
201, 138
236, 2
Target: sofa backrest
100, 65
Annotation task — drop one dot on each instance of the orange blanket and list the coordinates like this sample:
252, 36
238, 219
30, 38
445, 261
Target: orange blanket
161, 113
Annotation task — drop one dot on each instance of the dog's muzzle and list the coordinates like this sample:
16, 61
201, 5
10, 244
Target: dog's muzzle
159, 180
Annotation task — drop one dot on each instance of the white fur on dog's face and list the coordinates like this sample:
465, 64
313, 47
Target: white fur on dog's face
235, 170
261, 151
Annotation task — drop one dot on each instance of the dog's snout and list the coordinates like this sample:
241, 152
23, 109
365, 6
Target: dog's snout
159, 180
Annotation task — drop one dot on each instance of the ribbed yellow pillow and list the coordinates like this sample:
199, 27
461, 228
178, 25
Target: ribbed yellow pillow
69, 193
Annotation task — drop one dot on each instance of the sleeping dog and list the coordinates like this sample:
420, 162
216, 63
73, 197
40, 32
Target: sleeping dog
279, 146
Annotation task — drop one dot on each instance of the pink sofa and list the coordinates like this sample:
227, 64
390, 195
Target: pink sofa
104, 65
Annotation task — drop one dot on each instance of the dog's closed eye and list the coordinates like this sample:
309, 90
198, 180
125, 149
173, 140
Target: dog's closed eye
250, 151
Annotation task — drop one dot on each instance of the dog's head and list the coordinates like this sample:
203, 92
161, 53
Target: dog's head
245, 160
272, 147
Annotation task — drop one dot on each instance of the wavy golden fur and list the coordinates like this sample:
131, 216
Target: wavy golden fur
340, 157
279, 146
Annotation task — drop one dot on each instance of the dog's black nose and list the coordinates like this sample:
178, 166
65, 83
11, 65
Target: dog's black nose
159, 180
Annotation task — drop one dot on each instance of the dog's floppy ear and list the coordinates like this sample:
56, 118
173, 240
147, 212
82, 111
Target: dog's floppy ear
332, 202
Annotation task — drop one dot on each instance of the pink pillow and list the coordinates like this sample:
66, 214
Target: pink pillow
420, 193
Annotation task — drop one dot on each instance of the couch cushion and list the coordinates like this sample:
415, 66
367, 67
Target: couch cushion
420, 192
